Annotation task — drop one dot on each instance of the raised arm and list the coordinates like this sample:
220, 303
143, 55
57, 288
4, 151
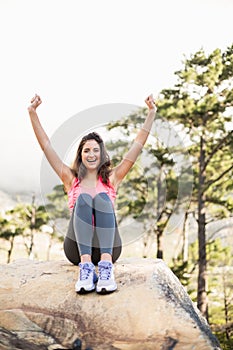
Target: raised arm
120, 171
62, 170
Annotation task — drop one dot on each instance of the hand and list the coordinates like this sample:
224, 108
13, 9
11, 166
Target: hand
35, 102
150, 102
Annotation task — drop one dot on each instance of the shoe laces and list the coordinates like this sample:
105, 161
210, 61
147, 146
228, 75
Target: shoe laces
85, 271
105, 271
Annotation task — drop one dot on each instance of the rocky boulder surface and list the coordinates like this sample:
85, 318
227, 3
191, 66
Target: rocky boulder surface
39, 309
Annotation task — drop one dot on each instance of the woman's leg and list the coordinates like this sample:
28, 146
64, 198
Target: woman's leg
83, 232
117, 245
116, 251
70, 244
106, 229
71, 247
104, 222
83, 225
105, 226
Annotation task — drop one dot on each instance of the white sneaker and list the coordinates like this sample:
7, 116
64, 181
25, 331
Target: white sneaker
106, 282
87, 278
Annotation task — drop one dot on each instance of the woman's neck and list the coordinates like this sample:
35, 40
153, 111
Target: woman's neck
91, 175
90, 179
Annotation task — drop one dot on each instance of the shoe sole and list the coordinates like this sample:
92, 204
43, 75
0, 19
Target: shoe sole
105, 291
84, 291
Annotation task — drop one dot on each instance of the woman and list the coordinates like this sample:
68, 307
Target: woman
91, 185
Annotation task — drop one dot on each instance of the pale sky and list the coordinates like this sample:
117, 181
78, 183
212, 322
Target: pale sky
81, 54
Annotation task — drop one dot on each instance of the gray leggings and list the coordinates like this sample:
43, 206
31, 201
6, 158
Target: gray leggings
92, 229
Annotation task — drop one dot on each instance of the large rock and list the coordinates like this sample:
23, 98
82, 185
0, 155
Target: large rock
150, 310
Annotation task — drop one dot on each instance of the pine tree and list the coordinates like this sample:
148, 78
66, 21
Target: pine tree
201, 102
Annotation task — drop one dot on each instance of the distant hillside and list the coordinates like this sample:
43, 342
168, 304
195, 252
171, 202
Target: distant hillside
6, 201
10, 200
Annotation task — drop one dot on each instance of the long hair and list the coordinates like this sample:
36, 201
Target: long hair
104, 168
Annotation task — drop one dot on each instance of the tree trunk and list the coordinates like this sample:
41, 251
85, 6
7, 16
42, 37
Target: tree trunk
226, 306
202, 299
10, 250
160, 206
33, 224
159, 244
185, 240
49, 247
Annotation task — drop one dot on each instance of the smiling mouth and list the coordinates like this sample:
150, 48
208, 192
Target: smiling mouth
91, 161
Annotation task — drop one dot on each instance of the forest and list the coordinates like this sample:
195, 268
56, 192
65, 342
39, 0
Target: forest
182, 184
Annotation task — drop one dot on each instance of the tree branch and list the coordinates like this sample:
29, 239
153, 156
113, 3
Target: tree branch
217, 178
216, 148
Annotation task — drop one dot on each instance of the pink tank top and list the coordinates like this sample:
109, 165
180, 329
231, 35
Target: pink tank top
77, 189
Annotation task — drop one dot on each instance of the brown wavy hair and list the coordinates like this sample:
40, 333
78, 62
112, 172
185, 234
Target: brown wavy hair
104, 169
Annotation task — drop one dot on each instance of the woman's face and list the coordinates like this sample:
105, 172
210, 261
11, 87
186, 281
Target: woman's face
91, 155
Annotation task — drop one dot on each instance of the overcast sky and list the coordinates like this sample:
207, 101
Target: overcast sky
81, 54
